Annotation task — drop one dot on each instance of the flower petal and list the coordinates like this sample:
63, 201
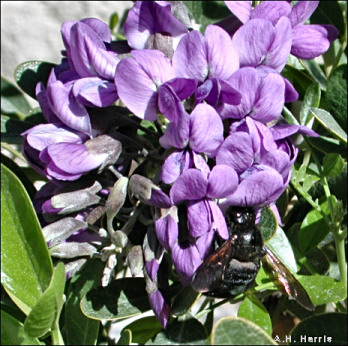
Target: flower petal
190, 185
206, 133
221, 53
198, 217
241, 9
236, 152
191, 48
258, 190
223, 181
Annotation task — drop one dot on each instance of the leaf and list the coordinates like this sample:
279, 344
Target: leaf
268, 224
189, 332
113, 21
13, 100
323, 289
125, 337
207, 12
29, 73
333, 165
329, 123
26, 266
328, 145
311, 99
81, 330
239, 331
315, 72
313, 229
123, 298
21, 175
46, 312
336, 95
11, 129
281, 247
184, 300
143, 329
253, 310
329, 13
12, 332
325, 329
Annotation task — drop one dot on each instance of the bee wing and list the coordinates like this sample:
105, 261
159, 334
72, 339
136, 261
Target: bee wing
210, 273
290, 284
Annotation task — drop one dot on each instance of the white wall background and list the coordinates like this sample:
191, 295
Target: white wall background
30, 30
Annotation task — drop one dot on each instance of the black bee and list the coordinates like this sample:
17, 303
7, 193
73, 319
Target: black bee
232, 268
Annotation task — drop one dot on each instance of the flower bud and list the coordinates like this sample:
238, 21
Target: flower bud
69, 202
72, 249
60, 230
135, 260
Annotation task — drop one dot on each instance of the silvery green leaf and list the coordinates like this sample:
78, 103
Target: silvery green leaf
72, 249
71, 268
60, 230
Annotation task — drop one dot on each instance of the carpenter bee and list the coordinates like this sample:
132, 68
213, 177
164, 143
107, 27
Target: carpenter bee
232, 268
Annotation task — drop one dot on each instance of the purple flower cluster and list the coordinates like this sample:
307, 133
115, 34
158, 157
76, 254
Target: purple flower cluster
218, 98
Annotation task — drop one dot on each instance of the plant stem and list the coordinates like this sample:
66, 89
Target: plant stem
13, 151
56, 335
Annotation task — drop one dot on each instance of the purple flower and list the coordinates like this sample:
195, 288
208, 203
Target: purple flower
210, 60
61, 153
262, 95
85, 42
261, 43
263, 166
199, 132
147, 18
308, 41
139, 78
204, 217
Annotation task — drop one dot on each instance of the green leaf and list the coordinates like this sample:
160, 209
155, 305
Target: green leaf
239, 331
113, 21
13, 100
45, 314
315, 72
333, 165
81, 330
323, 329
11, 129
189, 332
323, 289
336, 95
268, 224
29, 73
21, 174
329, 123
26, 266
184, 300
329, 12
253, 310
311, 99
313, 229
281, 247
12, 332
123, 298
207, 12
143, 329
125, 337
328, 145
